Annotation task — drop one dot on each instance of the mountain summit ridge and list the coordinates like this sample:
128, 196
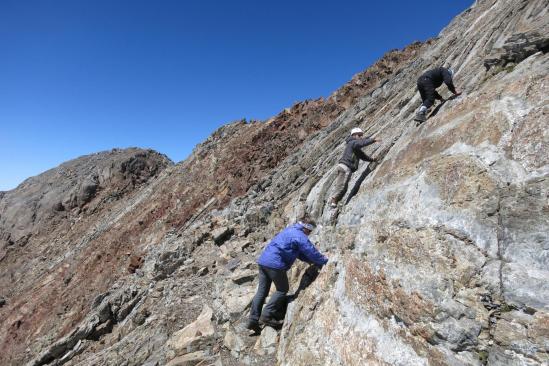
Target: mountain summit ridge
436, 254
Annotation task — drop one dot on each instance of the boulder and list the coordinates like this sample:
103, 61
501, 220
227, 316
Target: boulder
190, 359
222, 234
266, 344
87, 191
234, 343
237, 300
243, 276
199, 331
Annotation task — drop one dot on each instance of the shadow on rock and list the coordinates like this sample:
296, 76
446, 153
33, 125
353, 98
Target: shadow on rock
358, 183
310, 275
439, 106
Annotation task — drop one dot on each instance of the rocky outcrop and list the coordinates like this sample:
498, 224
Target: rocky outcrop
52, 198
436, 255
517, 47
107, 312
435, 252
60, 239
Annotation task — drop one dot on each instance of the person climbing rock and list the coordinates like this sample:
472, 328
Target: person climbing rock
275, 260
348, 163
427, 85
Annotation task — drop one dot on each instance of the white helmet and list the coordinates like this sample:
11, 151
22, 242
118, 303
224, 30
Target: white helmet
356, 130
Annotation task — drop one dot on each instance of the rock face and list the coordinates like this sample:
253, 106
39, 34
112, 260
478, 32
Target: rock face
438, 258
437, 253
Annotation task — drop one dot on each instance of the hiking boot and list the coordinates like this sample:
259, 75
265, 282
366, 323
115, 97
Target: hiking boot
253, 325
271, 322
420, 117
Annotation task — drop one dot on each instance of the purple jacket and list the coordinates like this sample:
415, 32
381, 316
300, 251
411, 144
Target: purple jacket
286, 246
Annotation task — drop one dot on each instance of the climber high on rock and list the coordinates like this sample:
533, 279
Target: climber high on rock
427, 84
276, 259
349, 162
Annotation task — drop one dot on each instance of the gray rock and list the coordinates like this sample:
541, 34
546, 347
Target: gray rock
233, 264
237, 300
190, 359
87, 190
234, 343
266, 344
241, 277
141, 316
222, 234
518, 47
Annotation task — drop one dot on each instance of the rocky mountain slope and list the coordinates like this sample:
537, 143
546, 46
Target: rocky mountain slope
437, 256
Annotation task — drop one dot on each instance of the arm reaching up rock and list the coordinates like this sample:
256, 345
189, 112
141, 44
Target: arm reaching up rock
308, 251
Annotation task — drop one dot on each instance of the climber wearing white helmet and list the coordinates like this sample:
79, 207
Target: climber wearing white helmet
349, 162
427, 84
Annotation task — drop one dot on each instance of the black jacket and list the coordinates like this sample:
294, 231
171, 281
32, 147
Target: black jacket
353, 152
438, 76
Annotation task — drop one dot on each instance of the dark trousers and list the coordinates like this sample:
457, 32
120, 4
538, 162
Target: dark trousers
278, 299
427, 91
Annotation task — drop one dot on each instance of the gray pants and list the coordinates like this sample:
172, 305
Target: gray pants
278, 299
341, 181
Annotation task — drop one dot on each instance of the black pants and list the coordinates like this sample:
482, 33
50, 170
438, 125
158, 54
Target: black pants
427, 91
277, 303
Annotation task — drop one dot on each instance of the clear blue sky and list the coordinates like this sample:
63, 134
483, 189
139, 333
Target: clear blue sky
81, 76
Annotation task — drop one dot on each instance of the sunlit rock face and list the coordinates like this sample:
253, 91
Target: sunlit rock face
440, 257
438, 253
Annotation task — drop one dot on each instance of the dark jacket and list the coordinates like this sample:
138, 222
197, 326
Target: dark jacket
288, 245
353, 152
438, 76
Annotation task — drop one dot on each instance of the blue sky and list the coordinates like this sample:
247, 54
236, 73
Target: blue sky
77, 76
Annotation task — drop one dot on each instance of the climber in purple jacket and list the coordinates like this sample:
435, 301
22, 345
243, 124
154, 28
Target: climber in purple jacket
277, 257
